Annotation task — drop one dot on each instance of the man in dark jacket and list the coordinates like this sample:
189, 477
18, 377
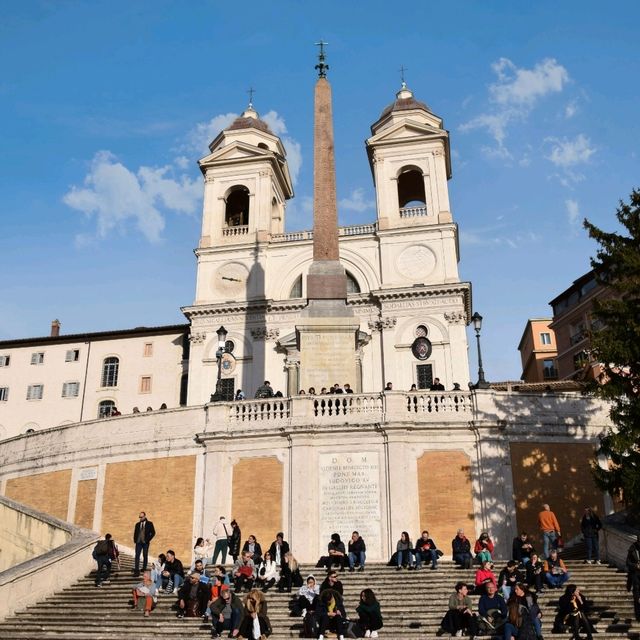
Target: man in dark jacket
226, 613
426, 550
193, 597
173, 572
590, 526
633, 574
522, 549
461, 548
278, 549
357, 549
331, 614
143, 533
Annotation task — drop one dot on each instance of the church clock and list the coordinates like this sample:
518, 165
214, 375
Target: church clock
231, 278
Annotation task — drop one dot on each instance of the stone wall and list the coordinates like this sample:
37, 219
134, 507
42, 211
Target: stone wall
556, 473
47, 492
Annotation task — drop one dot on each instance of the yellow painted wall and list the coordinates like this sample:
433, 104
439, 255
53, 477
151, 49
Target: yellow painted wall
46, 492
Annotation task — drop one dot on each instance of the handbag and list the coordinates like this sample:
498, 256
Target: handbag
559, 543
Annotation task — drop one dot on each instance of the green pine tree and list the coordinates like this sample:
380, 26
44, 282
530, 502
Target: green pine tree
616, 345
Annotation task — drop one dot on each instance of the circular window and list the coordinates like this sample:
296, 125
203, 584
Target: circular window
421, 331
229, 346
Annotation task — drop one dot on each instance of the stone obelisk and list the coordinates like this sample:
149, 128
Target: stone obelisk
327, 329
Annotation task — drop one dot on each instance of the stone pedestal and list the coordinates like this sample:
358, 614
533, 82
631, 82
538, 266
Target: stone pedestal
327, 351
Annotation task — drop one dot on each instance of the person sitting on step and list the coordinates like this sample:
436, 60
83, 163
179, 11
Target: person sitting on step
572, 613
484, 576
253, 549
254, 624
522, 549
173, 573
331, 614
289, 573
156, 571
307, 597
483, 547
336, 554
492, 610
535, 573
461, 550
426, 551
460, 618
369, 614
202, 550
267, 573
357, 551
332, 582
145, 591
226, 612
508, 578
244, 573
523, 615
404, 555
555, 571
279, 547
193, 597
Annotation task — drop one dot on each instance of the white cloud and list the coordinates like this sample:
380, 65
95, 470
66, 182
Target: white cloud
182, 162
513, 96
199, 138
356, 201
570, 110
573, 212
519, 86
568, 153
498, 235
117, 196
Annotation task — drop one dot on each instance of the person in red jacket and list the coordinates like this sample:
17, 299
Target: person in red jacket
483, 548
483, 576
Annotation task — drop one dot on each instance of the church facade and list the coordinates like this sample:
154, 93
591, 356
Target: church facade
375, 461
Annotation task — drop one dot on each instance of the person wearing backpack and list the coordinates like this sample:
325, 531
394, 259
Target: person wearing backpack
101, 556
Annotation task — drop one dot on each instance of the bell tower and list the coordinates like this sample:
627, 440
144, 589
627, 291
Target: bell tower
410, 160
247, 184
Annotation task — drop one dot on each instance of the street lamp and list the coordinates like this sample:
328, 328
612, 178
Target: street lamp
476, 318
222, 339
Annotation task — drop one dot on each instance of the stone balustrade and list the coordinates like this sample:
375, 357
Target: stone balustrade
238, 230
352, 230
413, 212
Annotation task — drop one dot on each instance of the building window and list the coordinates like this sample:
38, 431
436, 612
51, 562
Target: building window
411, 189
35, 391
37, 358
70, 389
184, 389
105, 408
4, 394
352, 284
296, 289
110, 368
148, 349
577, 333
237, 207
424, 375
549, 371
421, 331
4, 361
73, 355
580, 360
145, 384
545, 338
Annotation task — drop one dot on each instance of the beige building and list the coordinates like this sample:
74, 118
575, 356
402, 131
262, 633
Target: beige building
538, 351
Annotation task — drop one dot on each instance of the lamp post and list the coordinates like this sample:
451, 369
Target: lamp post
222, 339
476, 318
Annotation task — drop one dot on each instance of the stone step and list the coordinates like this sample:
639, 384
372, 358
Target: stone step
84, 612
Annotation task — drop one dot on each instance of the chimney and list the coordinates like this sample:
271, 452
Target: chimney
55, 328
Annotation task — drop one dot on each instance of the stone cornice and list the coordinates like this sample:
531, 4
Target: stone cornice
427, 291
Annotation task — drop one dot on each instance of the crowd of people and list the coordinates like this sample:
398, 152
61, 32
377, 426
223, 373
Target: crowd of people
234, 601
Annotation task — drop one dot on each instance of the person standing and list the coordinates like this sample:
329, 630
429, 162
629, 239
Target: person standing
633, 575
221, 533
590, 526
549, 527
143, 534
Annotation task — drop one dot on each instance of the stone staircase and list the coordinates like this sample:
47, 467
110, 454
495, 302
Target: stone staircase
413, 603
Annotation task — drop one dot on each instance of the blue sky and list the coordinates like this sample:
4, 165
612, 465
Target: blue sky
106, 106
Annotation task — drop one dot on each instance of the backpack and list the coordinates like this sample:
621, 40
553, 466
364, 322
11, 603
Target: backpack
102, 548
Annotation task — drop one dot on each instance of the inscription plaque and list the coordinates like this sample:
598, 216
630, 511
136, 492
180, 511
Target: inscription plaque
350, 499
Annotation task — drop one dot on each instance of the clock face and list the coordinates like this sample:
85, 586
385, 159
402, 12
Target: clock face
231, 279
